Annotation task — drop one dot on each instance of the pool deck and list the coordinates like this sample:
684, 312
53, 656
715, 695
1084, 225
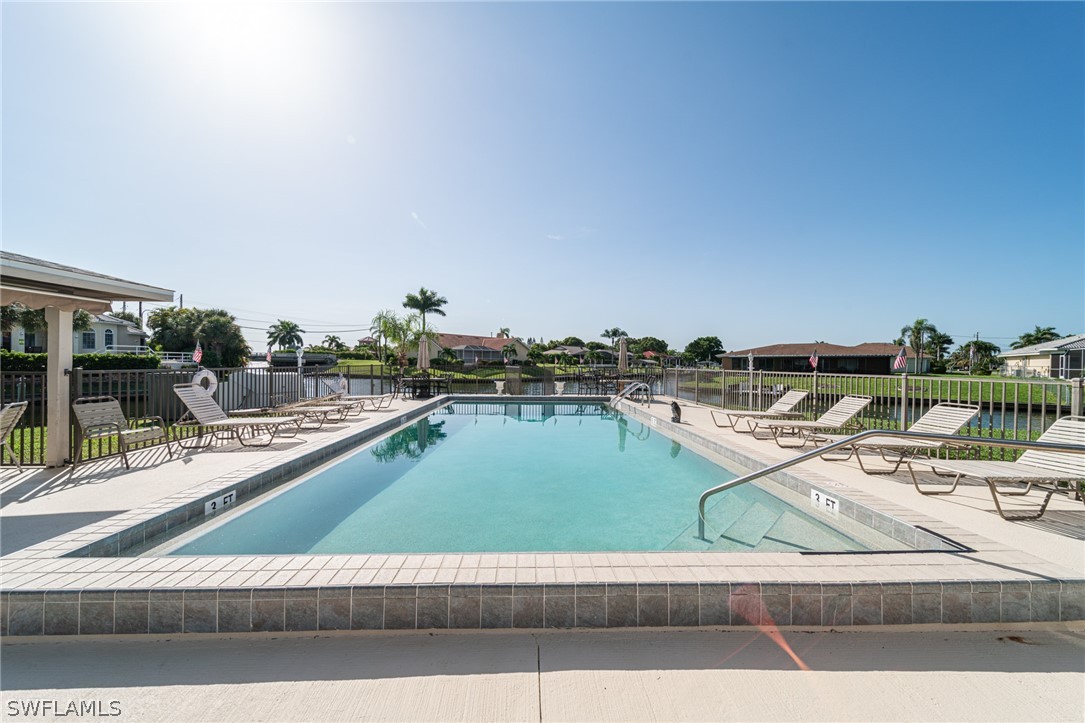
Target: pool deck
1015, 571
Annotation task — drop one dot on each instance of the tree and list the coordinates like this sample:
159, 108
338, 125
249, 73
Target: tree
128, 316
915, 333
334, 343
570, 341
535, 353
977, 356
425, 302
595, 345
938, 344
508, 351
1039, 335
704, 348
379, 327
593, 356
178, 330
34, 319
613, 333
285, 334
647, 343
504, 331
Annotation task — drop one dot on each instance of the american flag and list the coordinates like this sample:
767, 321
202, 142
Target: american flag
901, 362
197, 356
814, 358
269, 355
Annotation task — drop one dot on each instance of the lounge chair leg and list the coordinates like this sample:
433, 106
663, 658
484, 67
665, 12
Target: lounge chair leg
11, 453
915, 483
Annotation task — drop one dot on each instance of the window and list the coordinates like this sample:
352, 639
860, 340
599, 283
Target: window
107, 339
90, 340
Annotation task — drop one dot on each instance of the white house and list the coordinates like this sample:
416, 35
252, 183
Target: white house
1060, 359
107, 335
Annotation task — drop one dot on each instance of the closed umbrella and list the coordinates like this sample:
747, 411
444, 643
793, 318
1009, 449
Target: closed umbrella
423, 354
623, 355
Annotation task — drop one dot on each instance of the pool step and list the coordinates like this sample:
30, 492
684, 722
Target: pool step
750, 529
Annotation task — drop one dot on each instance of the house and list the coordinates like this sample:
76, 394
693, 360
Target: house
107, 335
472, 349
1060, 359
867, 358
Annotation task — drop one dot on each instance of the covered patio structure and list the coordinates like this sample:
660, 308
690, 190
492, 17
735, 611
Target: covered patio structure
61, 290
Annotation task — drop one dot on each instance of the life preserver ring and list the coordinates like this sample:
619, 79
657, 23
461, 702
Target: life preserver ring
212, 380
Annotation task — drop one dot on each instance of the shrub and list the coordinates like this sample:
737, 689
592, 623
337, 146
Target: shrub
15, 361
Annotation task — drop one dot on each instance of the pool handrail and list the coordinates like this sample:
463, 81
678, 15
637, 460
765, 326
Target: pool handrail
636, 386
1008, 443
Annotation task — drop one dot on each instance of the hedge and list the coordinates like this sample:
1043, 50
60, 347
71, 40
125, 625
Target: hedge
17, 361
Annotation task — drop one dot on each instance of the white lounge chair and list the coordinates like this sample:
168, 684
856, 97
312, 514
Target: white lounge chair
9, 417
942, 418
839, 417
1033, 469
102, 418
208, 416
782, 408
376, 402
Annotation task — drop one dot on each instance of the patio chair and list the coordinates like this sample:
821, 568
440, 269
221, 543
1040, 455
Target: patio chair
376, 401
1033, 469
102, 418
207, 415
782, 408
841, 417
942, 418
9, 417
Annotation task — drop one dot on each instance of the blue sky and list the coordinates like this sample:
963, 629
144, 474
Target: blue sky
762, 172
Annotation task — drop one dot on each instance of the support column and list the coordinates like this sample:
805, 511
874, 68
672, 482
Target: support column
58, 387
1075, 397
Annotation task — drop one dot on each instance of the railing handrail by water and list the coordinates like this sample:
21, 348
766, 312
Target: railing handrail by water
904, 434
630, 389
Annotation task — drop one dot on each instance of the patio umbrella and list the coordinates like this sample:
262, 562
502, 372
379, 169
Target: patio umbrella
623, 355
423, 354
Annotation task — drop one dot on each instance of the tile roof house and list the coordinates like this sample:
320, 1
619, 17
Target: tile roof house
866, 358
472, 349
1059, 359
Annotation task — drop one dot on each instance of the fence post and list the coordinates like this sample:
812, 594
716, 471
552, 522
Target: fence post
904, 400
1075, 396
761, 388
696, 386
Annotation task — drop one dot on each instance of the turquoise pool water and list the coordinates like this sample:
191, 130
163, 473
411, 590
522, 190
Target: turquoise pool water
516, 478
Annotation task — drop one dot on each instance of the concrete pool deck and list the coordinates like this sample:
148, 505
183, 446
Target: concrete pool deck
1015, 572
902, 674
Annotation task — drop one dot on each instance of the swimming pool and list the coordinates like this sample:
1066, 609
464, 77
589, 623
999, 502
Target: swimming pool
516, 477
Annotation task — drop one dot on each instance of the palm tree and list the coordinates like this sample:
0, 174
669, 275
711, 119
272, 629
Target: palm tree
334, 343
938, 344
915, 333
612, 334
508, 351
425, 302
1039, 335
379, 326
504, 331
285, 334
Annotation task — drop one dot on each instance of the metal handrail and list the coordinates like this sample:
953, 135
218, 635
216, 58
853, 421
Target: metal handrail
1017, 444
635, 386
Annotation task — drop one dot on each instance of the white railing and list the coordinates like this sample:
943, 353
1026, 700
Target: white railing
173, 357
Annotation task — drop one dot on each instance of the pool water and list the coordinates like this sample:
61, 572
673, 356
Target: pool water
516, 478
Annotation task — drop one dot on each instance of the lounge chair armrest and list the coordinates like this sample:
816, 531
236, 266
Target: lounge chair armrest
102, 427
155, 421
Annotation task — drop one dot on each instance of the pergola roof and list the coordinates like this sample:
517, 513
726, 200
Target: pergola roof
36, 283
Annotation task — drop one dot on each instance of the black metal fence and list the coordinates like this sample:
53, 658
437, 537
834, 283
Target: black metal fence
1009, 408
149, 393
